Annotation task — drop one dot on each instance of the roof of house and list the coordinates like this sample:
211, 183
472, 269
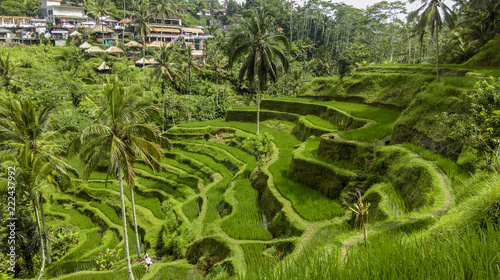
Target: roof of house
192, 30
103, 66
101, 29
114, 49
165, 30
85, 45
133, 44
2, 30
94, 49
75, 33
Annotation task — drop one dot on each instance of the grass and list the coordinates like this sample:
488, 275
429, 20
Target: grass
308, 203
245, 221
472, 255
191, 208
254, 256
317, 121
311, 151
384, 118
448, 166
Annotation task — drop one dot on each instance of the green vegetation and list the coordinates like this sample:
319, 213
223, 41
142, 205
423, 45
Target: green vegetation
374, 154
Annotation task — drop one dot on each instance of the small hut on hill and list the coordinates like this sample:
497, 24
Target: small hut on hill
85, 45
114, 49
75, 34
104, 68
133, 44
94, 50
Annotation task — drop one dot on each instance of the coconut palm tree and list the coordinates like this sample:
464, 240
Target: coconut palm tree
141, 21
434, 14
216, 62
99, 8
27, 140
119, 138
167, 71
8, 71
261, 50
190, 63
165, 8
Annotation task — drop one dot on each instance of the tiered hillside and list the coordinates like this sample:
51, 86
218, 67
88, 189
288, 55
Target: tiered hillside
211, 206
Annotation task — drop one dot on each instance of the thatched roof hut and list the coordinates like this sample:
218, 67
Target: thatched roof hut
85, 45
94, 49
103, 67
102, 29
114, 49
75, 34
133, 44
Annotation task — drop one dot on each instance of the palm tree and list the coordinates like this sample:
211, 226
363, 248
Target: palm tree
166, 9
27, 140
216, 63
190, 62
120, 137
261, 49
433, 13
99, 8
8, 70
167, 71
141, 21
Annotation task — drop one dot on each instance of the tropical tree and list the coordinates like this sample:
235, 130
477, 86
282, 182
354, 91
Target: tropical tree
216, 62
167, 71
141, 21
190, 63
120, 137
165, 8
261, 49
8, 71
433, 14
99, 8
27, 139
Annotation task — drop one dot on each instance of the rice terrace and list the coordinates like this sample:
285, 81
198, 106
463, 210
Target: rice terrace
271, 139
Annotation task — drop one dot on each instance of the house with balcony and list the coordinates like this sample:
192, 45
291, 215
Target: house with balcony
63, 15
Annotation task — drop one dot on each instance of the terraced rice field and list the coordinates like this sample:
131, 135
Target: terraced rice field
209, 191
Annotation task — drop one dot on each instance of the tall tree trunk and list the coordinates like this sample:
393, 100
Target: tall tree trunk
124, 222
217, 91
143, 54
46, 240
165, 113
42, 247
137, 244
258, 109
437, 53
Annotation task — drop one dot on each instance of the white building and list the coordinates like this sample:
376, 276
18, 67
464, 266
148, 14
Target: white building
59, 15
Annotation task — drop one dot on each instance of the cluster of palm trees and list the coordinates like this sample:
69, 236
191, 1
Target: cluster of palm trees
30, 137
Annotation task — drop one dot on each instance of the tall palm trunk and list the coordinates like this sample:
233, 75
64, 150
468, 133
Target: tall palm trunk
143, 54
124, 222
165, 109
46, 240
217, 91
258, 109
437, 53
137, 244
42, 247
